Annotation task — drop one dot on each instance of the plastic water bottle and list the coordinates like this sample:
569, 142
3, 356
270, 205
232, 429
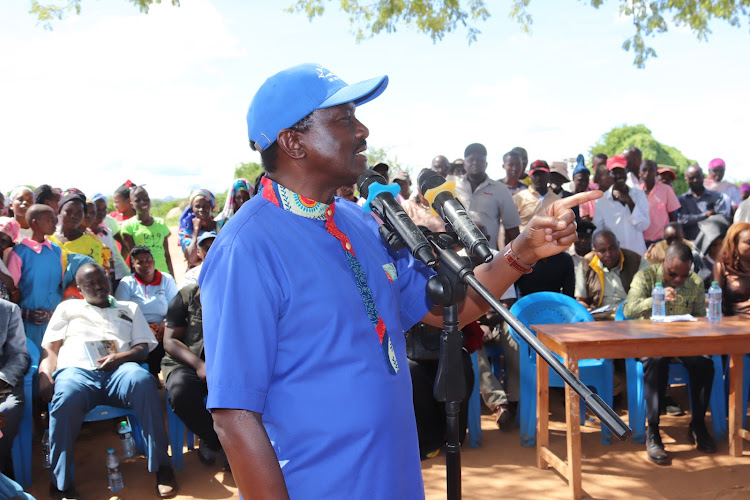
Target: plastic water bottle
658, 307
113, 471
45, 450
126, 438
714, 302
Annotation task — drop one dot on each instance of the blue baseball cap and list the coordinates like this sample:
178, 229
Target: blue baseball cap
206, 236
292, 94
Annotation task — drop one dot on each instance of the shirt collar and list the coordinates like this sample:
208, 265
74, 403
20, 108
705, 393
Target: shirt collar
35, 245
156, 282
293, 202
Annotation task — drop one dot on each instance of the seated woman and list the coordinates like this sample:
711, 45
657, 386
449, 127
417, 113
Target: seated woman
152, 290
69, 235
732, 271
195, 220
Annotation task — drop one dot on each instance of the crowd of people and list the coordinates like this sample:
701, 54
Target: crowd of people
74, 274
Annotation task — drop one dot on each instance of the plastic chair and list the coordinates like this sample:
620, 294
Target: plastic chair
678, 374
21, 451
545, 308
177, 431
475, 413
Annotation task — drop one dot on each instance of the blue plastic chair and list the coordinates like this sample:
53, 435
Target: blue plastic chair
678, 374
21, 451
177, 431
475, 412
545, 308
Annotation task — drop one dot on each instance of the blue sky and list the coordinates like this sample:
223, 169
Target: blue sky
161, 98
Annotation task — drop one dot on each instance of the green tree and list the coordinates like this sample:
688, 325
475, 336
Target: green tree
248, 171
435, 18
48, 11
618, 139
380, 155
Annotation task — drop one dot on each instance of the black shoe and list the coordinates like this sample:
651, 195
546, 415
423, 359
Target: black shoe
503, 418
655, 448
70, 493
699, 436
671, 407
206, 455
166, 484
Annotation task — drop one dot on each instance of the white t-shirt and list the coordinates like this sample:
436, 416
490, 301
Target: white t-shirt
76, 321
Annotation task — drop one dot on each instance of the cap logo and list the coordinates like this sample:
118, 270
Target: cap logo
324, 73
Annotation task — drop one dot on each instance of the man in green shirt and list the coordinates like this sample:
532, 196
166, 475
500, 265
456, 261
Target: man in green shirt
684, 295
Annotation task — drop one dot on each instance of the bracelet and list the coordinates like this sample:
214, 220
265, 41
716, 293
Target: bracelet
515, 263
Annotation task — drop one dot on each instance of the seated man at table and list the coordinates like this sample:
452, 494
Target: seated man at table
605, 275
684, 295
74, 384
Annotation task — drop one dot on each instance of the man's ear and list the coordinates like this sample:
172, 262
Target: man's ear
290, 142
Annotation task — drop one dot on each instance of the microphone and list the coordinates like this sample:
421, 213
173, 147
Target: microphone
440, 194
381, 199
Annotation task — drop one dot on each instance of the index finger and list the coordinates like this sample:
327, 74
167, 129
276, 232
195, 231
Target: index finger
577, 199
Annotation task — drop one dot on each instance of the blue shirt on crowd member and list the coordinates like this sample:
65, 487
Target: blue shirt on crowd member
152, 298
693, 210
291, 339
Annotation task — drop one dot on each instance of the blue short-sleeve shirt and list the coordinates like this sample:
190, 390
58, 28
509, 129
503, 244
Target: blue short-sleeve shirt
287, 335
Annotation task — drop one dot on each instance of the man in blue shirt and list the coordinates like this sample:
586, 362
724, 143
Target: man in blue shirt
305, 354
699, 203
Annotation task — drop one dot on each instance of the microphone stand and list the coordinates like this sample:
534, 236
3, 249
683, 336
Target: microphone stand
448, 288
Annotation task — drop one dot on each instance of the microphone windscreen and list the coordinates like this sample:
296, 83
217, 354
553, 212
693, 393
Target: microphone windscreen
365, 180
429, 179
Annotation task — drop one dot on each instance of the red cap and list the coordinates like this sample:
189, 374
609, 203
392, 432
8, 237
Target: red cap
617, 161
667, 171
539, 165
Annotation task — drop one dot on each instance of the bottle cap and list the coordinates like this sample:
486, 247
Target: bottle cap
111, 450
658, 283
714, 283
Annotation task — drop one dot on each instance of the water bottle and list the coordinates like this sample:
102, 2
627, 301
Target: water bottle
658, 307
714, 302
113, 471
126, 438
45, 450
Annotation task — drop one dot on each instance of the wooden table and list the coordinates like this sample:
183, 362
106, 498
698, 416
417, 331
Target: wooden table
631, 339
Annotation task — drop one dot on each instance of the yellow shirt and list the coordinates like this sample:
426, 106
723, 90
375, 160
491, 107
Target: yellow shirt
85, 245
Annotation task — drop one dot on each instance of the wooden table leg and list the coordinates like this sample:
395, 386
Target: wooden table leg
573, 421
735, 404
542, 411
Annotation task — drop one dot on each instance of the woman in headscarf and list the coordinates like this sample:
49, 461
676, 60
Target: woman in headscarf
195, 220
239, 193
69, 235
21, 198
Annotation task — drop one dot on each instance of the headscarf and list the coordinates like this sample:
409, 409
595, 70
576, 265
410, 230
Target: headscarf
20, 189
580, 167
237, 186
186, 219
72, 194
10, 226
99, 196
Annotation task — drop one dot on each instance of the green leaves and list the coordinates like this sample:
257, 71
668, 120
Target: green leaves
56, 10
435, 18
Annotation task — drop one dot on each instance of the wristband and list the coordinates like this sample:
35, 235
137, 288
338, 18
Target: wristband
515, 263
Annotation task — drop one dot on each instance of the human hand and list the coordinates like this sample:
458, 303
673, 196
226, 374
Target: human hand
553, 231
201, 371
669, 294
621, 196
709, 213
196, 226
46, 387
109, 362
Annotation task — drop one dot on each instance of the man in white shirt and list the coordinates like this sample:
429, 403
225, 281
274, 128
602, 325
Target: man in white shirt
71, 381
490, 199
623, 209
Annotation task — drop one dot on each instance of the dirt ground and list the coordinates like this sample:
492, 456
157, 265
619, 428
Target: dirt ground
500, 467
